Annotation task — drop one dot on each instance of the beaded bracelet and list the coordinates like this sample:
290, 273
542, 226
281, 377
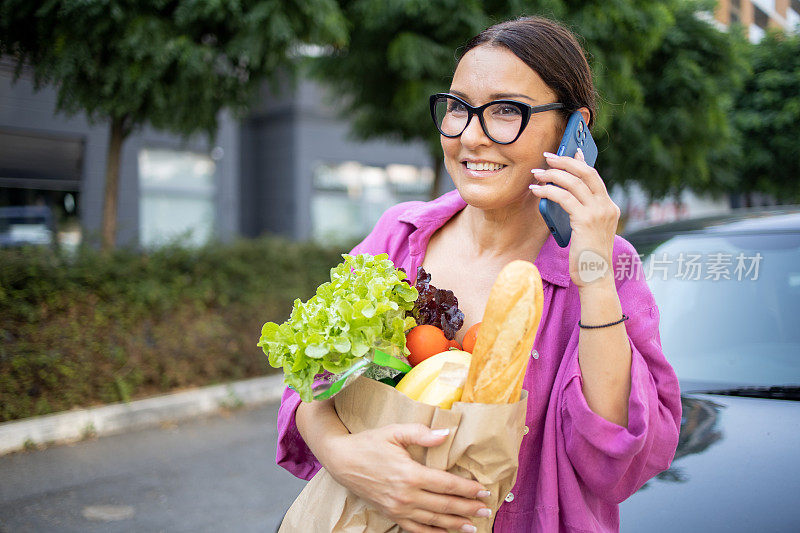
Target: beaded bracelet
620, 321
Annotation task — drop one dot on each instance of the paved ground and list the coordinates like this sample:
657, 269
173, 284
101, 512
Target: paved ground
215, 474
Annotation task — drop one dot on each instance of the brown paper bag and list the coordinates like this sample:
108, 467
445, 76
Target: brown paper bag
483, 444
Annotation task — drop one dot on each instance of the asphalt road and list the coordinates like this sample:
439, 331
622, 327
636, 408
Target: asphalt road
213, 474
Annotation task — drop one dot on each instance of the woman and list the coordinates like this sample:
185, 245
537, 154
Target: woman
603, 406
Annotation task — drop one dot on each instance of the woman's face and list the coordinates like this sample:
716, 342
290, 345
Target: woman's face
489, 73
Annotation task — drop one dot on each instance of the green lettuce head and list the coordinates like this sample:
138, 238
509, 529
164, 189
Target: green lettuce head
363, 307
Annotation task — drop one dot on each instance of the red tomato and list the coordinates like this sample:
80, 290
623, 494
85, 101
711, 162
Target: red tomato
470, 337
453, 344
424, 341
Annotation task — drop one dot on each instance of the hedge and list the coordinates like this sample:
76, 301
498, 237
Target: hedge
91, 328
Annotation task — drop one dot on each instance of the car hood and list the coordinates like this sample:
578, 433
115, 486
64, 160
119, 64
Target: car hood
737, 468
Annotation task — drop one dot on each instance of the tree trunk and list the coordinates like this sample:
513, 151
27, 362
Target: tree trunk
109, 225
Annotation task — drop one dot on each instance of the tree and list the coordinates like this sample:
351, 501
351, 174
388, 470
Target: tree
767, 115
400, 52
172, 63
662, 74
679, 135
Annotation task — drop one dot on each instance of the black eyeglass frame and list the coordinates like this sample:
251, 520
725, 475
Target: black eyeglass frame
526, 109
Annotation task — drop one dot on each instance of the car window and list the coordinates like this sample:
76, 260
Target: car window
730, 307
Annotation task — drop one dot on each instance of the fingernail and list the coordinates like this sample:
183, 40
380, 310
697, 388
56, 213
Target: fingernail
484, 493
469, 528
441, 432
548, 154
484, 513
538, 171
579, 152
534, 187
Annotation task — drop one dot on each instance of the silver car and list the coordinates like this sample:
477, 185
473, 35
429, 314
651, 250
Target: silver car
728, 289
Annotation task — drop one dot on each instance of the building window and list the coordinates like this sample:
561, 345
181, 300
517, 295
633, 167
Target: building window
40, 179
760, 18
177, 194
736, 11
39, 216
349, 197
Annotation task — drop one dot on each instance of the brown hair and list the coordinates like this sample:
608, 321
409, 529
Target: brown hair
552, 51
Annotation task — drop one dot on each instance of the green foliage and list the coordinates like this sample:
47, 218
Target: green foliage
618, 38
362, 307
664, 76
88, 432
231, 401
399, 53
174, 64
768, 114
98, 328
679, 136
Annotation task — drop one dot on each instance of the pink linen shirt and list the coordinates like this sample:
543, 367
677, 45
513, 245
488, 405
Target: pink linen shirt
575, 467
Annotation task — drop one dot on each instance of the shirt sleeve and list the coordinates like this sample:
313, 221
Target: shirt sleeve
611, 460
293, 453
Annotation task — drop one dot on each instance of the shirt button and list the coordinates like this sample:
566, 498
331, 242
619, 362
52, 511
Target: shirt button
510, 497
525, 430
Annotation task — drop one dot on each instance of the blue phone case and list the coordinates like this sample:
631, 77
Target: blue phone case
576, 135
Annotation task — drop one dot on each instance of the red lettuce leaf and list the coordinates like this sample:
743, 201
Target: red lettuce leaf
437, 307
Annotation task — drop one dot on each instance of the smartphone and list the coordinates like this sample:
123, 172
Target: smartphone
576, 135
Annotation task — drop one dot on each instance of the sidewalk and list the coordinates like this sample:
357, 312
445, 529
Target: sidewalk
72, 426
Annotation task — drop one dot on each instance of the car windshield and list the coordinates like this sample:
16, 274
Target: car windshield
730, 306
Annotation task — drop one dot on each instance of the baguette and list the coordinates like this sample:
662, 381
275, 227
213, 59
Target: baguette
506, 336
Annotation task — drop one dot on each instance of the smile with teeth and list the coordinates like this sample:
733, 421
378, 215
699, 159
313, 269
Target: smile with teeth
471, 165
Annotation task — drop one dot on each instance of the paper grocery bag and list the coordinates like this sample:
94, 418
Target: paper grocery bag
483, 444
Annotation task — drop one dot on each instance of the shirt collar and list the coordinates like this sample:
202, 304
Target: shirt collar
552, 262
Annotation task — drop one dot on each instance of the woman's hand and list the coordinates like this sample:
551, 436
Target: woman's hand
604, 353
592, 214
375, 465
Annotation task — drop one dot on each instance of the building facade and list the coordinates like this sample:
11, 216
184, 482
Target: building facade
168, 187
304, 176
757, 16
288, 168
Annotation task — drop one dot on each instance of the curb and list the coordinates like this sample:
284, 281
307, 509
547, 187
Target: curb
72, 426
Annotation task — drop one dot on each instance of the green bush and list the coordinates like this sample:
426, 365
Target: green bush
91, 328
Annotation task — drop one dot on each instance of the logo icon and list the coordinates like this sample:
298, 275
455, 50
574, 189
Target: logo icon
591, 266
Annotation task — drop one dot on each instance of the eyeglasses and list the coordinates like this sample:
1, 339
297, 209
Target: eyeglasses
503, 123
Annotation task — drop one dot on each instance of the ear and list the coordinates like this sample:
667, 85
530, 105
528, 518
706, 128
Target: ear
584, 111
